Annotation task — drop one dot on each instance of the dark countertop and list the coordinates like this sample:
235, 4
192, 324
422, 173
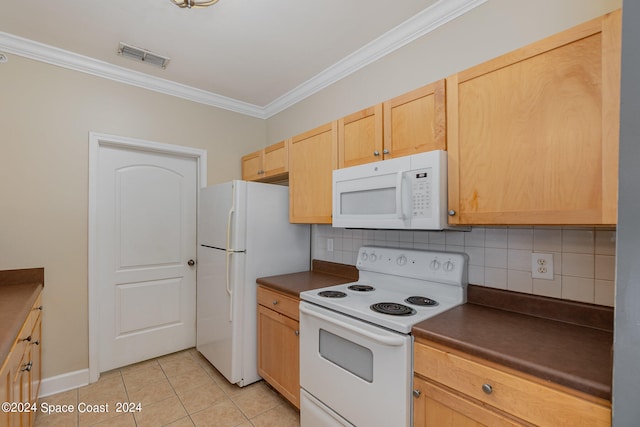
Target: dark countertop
323, 273
552, 343
19, 290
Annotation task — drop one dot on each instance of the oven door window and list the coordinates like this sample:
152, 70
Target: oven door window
348, 355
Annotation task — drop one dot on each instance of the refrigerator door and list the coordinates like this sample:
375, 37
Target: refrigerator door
221, 216
219, 310
274, 246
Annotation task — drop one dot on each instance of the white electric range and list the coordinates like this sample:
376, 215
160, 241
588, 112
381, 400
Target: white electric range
355, 344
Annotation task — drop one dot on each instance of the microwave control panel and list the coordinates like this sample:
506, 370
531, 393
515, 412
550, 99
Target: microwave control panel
421, 190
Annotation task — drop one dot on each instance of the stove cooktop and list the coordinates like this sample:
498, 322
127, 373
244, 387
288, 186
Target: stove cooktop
415, 284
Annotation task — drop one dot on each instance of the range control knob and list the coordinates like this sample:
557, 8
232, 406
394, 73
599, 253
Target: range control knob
402, 260
448, 266
364, 256
435, 264
373, 257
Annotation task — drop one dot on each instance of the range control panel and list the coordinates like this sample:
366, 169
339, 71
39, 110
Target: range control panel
445, 267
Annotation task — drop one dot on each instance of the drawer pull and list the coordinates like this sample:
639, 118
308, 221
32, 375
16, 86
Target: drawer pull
297, 332
40, 308
487, 388
27, 367
28, 339
36, 342
275, 302
416, 393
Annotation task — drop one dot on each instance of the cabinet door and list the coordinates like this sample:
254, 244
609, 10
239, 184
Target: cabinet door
6, 388
312, 159
276, 159
533, 135
278, 355
36, 359
416, 121
360, 137
436, 406
252, 166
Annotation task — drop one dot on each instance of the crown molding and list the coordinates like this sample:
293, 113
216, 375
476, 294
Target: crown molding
63, 58
415, 27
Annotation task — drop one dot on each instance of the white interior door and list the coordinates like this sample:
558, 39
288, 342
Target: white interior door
146, 207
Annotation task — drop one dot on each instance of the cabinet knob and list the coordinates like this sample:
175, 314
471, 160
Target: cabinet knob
275, 302
376, 153
385, 151
36, 342
260, 172
27, 366
487, 388
416, 393
28, 339
297, 332
191, 263
451, 212
39, 308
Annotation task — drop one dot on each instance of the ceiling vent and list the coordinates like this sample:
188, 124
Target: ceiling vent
142, 55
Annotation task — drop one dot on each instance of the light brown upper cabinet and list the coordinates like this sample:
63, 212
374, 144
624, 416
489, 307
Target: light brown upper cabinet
360, 137
532, 135
252, 166
415, 122
269, 164
313, 156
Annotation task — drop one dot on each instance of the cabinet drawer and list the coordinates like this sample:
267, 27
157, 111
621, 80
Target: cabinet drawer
523, 398
26, 335
279, 302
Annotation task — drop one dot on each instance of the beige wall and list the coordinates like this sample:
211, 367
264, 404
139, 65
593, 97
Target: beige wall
494, 28
46, 114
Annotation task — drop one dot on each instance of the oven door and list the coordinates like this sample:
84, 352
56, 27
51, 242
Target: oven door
359, 371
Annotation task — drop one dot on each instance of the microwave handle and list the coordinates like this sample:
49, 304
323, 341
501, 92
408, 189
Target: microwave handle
399, 195
403, 195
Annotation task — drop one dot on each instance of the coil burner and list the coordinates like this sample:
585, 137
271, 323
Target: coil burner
332, 294
393, 309
421, 301
361, 288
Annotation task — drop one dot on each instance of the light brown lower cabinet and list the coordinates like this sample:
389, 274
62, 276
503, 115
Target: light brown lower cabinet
455, 389
20, 373
278, 340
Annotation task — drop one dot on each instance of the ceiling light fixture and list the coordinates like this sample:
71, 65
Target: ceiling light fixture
193, 3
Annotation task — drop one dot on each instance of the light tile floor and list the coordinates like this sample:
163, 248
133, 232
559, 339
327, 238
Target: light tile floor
180, 389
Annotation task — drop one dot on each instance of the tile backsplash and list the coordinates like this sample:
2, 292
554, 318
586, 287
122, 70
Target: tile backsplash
500, 257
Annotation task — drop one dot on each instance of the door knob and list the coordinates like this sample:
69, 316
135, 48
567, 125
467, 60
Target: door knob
191, 263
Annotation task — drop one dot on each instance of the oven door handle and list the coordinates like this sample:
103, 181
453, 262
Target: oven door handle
390, 341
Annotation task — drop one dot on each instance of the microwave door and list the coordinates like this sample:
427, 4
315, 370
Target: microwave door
369, 202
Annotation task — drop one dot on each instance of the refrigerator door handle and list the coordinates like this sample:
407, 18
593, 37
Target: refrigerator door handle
229, 253
229, 250
229, 217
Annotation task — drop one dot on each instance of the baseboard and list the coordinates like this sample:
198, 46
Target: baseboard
64, 382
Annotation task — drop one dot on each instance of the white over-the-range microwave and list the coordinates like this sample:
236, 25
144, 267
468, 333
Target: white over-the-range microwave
403, 193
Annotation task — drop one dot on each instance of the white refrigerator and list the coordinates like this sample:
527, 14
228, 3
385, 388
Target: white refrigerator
243, 233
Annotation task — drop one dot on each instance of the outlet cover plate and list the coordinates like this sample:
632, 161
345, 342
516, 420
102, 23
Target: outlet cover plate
541, 266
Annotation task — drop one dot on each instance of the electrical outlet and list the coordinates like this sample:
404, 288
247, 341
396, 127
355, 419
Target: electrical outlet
329, 245
541, 266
